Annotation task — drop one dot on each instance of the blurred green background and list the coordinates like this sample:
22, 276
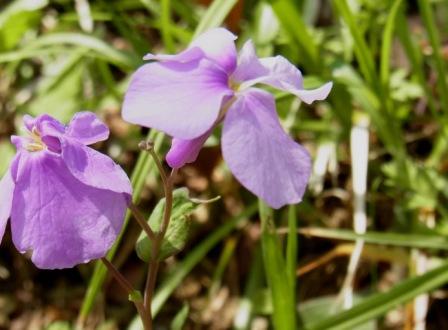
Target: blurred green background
379, 145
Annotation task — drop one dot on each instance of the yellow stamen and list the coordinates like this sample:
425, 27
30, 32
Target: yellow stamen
37, 144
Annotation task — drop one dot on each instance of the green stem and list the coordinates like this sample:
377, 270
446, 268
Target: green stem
131, 292
154, 263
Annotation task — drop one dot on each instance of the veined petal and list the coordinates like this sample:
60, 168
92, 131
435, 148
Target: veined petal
6, 194
185, 151
61, 220
93, 168
180, 99
86, 128
218, 45
283, 75
260, 154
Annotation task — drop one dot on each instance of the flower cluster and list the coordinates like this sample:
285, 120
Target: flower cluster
66, 201
188, 94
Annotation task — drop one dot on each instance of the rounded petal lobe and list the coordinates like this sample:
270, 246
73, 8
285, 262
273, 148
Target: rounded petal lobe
185, 151
60, 220
87, 128
260, 154
94, 168
180, 99
6, 194
218, 45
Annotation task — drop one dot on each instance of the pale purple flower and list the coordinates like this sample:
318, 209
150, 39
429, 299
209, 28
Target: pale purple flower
188, 94
66, 201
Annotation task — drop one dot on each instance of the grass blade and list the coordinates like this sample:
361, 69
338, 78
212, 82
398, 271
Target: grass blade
99, 46
410, 240
293, 23
387, 44
165, 20
362, 51
434, 39
215, 15
380, 303
284, 315
291, 247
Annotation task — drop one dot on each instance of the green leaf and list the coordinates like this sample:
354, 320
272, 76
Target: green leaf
387, 44
314, 310
434, 38
422, 241
99, 47
180, 318
178, 228
380, 303
215, 15
292, 21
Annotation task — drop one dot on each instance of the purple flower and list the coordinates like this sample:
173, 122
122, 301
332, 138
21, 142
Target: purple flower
188, 94
66, 201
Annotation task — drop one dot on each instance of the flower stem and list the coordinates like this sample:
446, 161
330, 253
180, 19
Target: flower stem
141, 221
154, 262
133, 294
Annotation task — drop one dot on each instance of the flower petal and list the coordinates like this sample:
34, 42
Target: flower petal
185, 151
45, 125
218, 45
187, 55
93, 168
6, 194
86, 128
283, 75
260, 154
180, 99
249, 66
61, 220
310, 95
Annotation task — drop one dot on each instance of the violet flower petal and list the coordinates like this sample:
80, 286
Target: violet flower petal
180, 99
185, 151
188, 55
218, 45
277, 72
61, 220
45, 124
93, 168
87, 128
249, 66
6, 195
260, 154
